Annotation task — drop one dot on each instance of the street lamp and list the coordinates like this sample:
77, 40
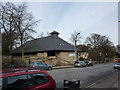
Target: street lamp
118, 48
76, 54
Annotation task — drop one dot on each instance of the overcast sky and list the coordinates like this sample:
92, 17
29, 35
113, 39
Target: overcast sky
86, 17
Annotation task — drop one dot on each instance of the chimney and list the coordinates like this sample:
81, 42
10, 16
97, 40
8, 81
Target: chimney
54, 34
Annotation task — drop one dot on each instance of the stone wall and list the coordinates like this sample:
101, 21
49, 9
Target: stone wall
67, 56
48, 60
44, 54
18, 61
63, 58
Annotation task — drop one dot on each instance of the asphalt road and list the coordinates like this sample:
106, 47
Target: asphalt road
86, 75
112, 81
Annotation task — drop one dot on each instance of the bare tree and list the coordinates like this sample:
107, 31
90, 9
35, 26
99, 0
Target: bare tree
15, 18
101, 46
7, 25
24, 24
48, 34
96, 40
93, 40
42, 34
75, 37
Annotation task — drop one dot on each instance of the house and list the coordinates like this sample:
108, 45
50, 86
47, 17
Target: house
84, 55
51, 49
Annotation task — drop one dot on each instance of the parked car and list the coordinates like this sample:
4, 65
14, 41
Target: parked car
117, 60
79, 63
26, 79
41, 65
89, 63
117, 66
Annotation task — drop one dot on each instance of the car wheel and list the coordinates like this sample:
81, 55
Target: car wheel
50, 68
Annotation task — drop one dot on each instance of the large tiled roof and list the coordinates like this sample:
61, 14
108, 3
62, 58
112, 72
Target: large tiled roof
48, 43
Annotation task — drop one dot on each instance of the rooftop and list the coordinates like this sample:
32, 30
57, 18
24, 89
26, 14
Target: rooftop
49, 43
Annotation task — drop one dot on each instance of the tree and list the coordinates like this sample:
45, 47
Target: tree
24, 24
118, 48
101, 47
84, 48
7, 23
19, 22
42, 34
93, 40
75, 37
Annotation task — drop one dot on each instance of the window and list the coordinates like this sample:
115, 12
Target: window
38, 78
51, 53
23, 81
15, 82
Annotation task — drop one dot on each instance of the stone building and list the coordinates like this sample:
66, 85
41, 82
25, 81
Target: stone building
51, 49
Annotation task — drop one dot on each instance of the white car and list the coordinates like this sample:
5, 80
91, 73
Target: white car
79, 63
117, 66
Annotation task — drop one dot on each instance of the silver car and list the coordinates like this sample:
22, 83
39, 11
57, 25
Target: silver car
117, 66
79, 63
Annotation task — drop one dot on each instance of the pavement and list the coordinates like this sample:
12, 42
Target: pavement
67, 66
61, 67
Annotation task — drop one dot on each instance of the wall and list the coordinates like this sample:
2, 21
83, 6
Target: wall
66, 57
63, 58
18, 61
44, 54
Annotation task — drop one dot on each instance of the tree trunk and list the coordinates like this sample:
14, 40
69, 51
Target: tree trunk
22, 46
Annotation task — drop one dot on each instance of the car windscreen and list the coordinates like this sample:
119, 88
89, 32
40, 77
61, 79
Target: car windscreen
21, 82
76, 61
43, 63
82, 62
34, 63
118, 63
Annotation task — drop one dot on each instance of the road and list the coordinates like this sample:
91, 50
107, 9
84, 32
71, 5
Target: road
86, 75
114, 80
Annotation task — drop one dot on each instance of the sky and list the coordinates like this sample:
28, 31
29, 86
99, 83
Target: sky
85, 17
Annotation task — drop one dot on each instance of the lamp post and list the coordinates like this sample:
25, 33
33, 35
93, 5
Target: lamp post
118, 48
76, 54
